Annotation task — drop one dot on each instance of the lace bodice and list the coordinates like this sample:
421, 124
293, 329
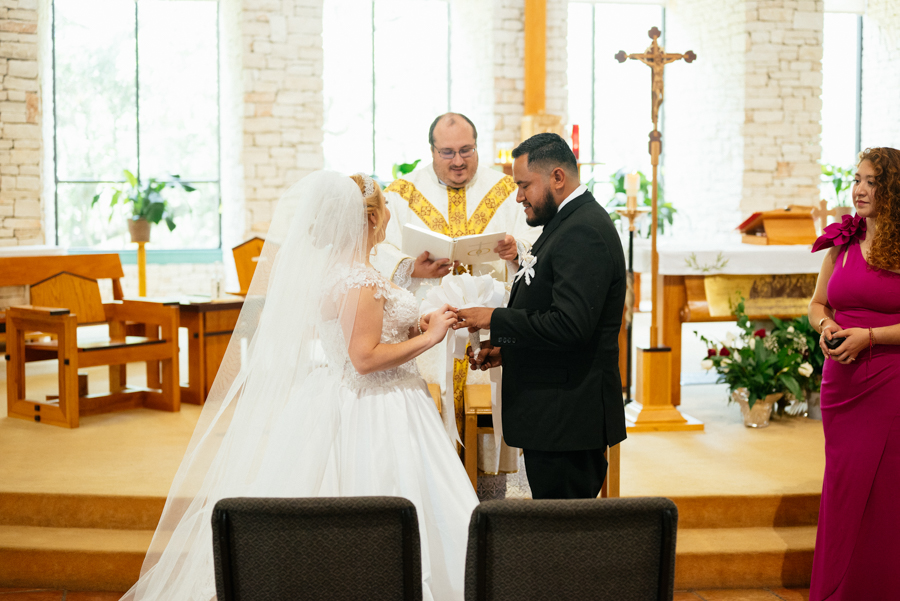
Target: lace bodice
400, 314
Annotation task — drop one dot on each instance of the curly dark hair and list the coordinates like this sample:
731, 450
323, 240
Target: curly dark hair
885, 250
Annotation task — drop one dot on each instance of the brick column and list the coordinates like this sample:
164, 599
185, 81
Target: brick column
283, 105
20, 129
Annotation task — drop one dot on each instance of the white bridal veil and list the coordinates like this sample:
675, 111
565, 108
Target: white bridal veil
318, 230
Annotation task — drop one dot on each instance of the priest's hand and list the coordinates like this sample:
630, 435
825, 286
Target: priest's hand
506, 248
474, 318
427, 268
488, 357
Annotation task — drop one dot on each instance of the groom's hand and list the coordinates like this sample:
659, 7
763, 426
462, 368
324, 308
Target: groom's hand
474, 318
426, 268
507, 249
488, 357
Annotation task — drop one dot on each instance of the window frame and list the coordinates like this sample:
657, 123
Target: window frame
172, 255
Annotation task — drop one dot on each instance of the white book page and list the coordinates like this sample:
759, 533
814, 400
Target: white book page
417, 240
472, 250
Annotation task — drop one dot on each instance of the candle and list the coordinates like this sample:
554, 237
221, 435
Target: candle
575, 142
631, 190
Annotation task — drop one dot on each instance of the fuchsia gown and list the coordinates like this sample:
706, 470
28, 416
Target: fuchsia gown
857, 554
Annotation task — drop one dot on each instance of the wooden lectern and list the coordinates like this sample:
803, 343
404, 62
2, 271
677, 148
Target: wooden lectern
793, 225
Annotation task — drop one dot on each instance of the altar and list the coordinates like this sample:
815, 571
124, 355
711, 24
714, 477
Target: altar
700, 280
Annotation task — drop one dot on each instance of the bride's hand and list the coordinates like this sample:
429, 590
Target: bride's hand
436, 323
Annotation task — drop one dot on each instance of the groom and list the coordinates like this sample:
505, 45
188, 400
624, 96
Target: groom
558, 338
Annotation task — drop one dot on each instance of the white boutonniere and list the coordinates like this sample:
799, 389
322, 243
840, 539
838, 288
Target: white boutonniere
527, 268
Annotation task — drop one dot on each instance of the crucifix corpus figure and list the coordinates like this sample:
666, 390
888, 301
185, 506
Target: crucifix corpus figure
656, 58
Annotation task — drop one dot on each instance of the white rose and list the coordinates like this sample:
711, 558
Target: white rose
729, 339
790, 330
737, 357
805, 370
707, 364
753, 343
726, 361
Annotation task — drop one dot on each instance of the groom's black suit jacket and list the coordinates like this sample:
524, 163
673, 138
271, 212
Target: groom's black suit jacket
559, 337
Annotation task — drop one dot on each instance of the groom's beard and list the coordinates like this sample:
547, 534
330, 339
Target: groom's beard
543, 212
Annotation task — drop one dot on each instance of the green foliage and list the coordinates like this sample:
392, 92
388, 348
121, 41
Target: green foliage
764, 363
401, 169
147, 201
665, 209
841, 180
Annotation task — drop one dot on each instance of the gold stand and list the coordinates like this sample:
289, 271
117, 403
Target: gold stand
653, 410
142, 269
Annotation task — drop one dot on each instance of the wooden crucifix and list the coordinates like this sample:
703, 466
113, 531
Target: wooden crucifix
653, 408
656, 58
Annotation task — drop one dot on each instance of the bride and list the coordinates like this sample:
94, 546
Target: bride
319, 396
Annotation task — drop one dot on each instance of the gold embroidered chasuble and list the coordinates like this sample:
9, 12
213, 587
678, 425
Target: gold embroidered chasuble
457, 224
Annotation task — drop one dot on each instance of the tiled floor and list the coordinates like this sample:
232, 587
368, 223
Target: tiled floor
19, 594
766, 594
782, 594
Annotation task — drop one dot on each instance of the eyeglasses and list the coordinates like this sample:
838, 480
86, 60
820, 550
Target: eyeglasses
448, 153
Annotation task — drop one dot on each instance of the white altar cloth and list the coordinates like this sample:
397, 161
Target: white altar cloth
724, 255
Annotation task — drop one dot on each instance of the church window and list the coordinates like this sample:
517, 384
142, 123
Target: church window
386, 77
136, 87
841, 78
609, 101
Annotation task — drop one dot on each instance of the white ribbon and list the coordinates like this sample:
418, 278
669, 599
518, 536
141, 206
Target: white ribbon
527, 269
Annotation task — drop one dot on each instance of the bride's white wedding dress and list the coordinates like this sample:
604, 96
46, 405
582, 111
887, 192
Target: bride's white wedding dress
281, 420
383, 436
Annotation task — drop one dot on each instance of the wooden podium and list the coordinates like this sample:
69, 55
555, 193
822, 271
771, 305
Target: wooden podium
793, 225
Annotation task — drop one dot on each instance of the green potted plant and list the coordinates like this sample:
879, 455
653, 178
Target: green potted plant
841, 179
148, 207
800, 333
757, 367
618, 200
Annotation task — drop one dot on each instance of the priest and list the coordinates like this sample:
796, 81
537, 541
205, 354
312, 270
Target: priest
455, 196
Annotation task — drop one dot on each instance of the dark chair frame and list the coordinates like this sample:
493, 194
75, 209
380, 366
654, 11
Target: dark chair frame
222, 537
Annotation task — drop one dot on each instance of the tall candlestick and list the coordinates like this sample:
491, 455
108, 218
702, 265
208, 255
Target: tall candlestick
576, 145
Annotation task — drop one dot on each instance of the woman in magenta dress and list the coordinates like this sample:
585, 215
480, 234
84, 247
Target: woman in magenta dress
857, 298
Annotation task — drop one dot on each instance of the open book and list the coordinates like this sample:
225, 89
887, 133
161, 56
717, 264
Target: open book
468, 250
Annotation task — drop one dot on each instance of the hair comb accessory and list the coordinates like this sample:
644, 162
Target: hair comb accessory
369, 184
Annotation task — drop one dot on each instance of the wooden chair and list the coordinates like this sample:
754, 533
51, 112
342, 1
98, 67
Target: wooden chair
478, 402
245, 256
78, 299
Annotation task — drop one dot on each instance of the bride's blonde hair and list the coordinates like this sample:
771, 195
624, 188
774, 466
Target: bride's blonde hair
374, 202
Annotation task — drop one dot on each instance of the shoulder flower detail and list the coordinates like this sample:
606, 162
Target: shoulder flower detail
838, 234
527, 269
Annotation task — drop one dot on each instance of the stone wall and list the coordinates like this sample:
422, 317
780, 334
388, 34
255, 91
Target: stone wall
283, 105
783, 77
173, 280
509, 70
20, 125
881, 74
703, 114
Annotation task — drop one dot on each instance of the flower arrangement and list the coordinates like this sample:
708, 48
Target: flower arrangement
764, 363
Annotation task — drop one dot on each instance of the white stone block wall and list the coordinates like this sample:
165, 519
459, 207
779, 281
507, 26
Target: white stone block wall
509, 70
20, 125
881, 74
172, 280
703, 114
283, 103
557, 58
783, 108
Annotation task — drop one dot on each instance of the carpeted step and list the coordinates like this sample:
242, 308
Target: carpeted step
748, 511
744, 557
55, 510
71, 558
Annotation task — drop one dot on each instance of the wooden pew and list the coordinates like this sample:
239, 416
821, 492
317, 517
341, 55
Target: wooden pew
62, 303
245, 257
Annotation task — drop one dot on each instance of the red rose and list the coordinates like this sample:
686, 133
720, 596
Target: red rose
761, 333
711, 352
724, 352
